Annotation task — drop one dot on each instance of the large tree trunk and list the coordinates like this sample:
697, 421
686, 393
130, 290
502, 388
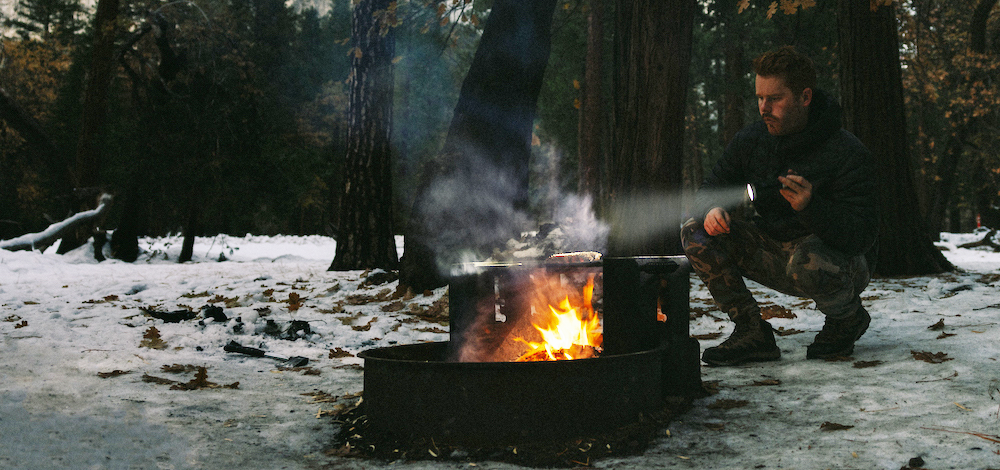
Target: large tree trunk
474, 197
872, 90
592, 109
87, 174
653, 53
365, 215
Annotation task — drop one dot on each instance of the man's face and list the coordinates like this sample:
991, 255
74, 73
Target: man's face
784, 112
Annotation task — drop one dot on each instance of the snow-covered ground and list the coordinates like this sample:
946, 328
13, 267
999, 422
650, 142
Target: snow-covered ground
84, 375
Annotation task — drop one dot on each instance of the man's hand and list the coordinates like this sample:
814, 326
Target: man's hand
717, 221
796, 190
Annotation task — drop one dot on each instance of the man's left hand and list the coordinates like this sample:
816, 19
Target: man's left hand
796, 190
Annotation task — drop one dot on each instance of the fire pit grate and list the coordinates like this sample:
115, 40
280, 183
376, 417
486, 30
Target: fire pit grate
420, 403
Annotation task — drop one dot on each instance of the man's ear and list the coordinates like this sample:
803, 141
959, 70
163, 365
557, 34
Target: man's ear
807, 96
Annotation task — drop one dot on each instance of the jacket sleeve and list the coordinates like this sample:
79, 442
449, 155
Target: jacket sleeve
724, 185
845, 214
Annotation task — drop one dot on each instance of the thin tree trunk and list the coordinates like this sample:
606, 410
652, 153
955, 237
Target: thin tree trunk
869, 54
365, 217
653, 49
591, 128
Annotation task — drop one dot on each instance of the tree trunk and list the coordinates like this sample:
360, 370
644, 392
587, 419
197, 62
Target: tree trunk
591, 128
735, 90
365, 216
872, 90
977, 27
653, 48
475, 196
87, 174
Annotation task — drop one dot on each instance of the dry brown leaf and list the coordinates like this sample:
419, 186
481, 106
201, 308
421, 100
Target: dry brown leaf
339, 352
114, 373
366, 326
929, 357
866, 364
828, 426
768, 312
781, 331
151, 339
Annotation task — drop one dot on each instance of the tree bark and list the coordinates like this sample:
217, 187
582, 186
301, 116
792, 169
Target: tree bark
365, 215
653, 52
87, 173
872, 90
977, 27
474, 197
88, 159
591, 130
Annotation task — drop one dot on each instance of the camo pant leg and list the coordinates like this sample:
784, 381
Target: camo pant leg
805, 267
835, 281
720, 267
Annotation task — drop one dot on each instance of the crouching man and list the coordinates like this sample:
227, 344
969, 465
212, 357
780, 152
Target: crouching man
814, 217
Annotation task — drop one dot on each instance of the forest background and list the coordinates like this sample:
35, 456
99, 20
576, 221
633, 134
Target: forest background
234, 116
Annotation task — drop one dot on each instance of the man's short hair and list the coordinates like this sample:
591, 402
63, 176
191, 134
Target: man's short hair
785, 62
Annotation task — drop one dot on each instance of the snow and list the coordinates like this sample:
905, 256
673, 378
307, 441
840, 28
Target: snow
65, 319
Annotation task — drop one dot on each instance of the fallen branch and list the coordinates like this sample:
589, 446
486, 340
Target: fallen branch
42, 240
986, 241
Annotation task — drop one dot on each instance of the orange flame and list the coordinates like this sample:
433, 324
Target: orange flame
568, 332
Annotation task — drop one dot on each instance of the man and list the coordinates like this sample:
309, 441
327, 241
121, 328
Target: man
814, 216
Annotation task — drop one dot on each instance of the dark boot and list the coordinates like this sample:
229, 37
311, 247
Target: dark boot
751, 341
837, 337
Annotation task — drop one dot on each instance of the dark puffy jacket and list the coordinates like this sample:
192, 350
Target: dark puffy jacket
843, 211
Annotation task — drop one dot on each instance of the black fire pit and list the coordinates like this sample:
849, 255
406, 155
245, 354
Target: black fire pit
420, 391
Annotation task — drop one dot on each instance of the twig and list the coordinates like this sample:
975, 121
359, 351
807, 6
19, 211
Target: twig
952, 376
988, 437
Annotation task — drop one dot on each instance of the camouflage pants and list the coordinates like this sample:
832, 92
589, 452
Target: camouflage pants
804, 267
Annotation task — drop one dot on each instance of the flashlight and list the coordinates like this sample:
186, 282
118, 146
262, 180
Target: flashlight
748, 198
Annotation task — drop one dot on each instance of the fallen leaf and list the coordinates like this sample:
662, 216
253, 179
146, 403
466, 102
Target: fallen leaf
365, 327
768, 312
828, 426
339, 352
932, 358
114, 373
866, 364
727, 404
178, 368
781, 331
151, 339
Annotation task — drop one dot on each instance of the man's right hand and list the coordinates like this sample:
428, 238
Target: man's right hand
717, 221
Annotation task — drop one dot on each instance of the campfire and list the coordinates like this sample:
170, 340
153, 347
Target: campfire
568, 331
